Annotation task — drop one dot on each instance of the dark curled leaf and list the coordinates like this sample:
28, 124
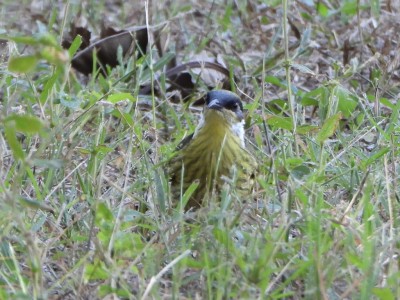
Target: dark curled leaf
295, 30
74, 31
112, 39
182, 82
180, 77
347, 49
107, 47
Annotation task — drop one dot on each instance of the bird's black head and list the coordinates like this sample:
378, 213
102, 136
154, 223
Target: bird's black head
223, 99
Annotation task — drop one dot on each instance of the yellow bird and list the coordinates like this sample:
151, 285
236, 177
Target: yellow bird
215, 153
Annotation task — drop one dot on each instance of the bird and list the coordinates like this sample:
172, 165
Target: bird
214, 154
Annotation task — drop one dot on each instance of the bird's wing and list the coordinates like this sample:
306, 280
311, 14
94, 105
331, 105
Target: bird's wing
167, 162
186, 141
174, 165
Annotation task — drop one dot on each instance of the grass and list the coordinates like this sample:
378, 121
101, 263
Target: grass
85, 204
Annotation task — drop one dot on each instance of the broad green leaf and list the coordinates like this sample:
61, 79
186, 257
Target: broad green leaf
329, 128
22, 64
54, 55
193, 263
115, 98
224, 237
96, 271
302, 196
105, 290
11, 137
125, 117
188, 193
34, 204
387, 103
303, 69
6, 254
273, 3
322, 9
264, 20
49, 85
275, 81
349, 7
48, 163
383, 293
314, 97
43, 39
294, 162
360, 118
75, 45
375, 157
375, 8
27, 124
28, 40
347, 103
277, 106
70, 102
101, 149
162, 62
226, 20
300, 171
83, 150
125, 243
280, 122
103, 214
47, 39
305, 129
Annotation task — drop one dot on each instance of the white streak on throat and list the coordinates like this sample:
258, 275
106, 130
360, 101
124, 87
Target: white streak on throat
238, 130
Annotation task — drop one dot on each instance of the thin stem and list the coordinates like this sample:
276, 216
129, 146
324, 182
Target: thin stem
288, 78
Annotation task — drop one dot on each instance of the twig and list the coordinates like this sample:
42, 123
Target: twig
156, 278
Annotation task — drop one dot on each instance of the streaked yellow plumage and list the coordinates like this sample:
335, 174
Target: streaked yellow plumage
215, 154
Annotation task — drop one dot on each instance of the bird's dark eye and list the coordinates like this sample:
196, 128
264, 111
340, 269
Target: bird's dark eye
233, 106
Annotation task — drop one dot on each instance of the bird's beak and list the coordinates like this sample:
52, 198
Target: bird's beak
214, 104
